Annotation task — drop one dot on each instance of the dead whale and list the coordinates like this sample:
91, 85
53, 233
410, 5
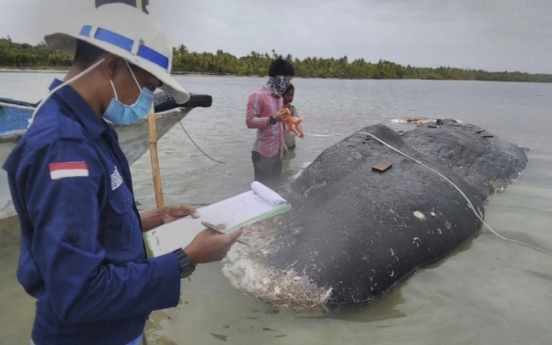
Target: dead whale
354, 233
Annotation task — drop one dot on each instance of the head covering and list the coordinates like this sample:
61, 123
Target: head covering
145, 3
278, 85
126, 32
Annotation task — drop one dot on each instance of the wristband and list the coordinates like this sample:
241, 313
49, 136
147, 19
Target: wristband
187, 267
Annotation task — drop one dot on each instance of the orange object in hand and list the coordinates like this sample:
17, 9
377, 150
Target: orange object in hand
293, 124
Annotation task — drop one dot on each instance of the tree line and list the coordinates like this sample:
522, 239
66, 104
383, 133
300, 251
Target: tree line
23, 55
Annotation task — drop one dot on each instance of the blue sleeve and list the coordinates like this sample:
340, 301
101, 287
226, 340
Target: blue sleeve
64, 214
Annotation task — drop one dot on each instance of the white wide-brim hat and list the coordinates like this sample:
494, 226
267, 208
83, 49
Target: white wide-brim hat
127, 32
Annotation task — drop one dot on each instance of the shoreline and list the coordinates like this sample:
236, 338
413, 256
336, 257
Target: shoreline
32, 70
180, 73
62, 70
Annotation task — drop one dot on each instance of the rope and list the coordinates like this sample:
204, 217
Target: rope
462, 193
214, 160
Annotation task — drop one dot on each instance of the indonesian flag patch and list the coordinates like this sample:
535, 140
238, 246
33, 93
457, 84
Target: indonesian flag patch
68, 169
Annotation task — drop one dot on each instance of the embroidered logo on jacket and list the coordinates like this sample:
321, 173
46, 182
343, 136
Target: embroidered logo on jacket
68, 169
116, 179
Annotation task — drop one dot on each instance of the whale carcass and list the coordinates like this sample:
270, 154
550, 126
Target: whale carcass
354, 233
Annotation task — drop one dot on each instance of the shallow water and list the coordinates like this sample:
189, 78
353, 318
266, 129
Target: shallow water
487, 292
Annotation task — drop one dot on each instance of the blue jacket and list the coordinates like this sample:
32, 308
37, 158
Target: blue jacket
82, 251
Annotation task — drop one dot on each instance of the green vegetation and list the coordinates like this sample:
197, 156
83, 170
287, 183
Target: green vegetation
22, 55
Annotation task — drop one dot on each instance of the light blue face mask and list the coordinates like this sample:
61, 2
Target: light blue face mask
122, 114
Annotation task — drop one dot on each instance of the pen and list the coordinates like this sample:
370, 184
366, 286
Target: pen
222, 232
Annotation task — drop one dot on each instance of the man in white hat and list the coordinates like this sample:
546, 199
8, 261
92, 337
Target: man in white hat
82, 252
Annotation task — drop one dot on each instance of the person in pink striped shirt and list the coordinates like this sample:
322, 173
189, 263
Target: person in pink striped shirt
265, 113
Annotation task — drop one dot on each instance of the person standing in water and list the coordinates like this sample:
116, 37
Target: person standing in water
82, 249
265, 113
289, 138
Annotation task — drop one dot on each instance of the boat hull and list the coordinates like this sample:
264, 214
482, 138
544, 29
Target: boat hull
134, 141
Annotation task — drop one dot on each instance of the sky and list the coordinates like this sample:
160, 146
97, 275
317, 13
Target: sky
494, 35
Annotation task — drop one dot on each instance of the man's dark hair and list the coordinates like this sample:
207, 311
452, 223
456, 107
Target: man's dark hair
280, 67
87, 54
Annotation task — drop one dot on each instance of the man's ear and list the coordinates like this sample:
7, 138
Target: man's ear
110, 65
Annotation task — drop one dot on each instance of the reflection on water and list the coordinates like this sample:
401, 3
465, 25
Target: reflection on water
385, 309
487, 292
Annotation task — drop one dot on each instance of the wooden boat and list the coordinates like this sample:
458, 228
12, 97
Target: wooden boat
134, 139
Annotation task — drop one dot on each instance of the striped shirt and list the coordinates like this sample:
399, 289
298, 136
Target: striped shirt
263, 104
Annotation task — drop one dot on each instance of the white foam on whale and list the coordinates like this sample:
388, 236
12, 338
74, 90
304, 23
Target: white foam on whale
246, 269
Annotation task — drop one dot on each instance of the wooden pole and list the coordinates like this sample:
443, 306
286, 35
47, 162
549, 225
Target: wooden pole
153, 148
155, 160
